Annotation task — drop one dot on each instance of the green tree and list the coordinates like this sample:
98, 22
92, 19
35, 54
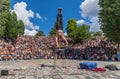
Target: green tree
71, 29
13, 27
99, 33
77, 33
20, 27
95, 34
40, 33
109, 19
4, 10
82, 33
4, 5
11, 30
53, 30
10, 27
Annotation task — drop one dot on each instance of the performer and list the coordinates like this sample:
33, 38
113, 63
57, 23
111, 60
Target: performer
59, 34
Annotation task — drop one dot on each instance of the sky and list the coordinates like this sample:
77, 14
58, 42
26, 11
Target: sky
41, 14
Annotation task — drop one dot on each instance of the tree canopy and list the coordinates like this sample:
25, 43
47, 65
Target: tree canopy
4, 10
10, 27
109, 17
20, 27
77, 33
40, 33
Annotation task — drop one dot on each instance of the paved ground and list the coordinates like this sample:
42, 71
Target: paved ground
31, 69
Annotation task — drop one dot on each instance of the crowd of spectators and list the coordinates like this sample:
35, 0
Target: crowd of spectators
29, 47
99, 49
26, 47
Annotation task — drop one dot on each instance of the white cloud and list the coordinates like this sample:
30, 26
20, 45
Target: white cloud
30, 32
65, 33
36, 27
38, 16
95, 26
26, 15
44, 19
80, 22
90, 10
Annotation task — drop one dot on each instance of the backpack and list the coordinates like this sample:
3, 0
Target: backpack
111, 67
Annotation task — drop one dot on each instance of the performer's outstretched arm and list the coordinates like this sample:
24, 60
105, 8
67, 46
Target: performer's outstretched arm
56, 41
63, 37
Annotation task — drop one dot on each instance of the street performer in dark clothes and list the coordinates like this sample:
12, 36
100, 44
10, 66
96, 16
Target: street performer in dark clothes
59, 34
